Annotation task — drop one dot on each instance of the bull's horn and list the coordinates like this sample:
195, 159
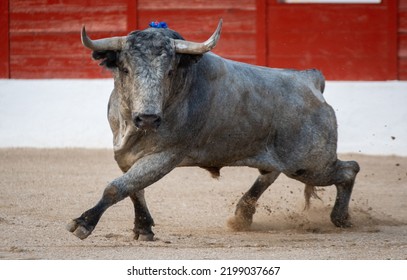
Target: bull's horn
106, 44
187, 47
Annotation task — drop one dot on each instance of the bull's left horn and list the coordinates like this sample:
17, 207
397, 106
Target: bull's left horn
187, 47
106, 44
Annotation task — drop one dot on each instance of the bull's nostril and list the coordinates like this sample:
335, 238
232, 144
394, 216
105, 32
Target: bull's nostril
157, 121
147, 121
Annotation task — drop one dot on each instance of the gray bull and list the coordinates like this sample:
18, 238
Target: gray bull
175, 103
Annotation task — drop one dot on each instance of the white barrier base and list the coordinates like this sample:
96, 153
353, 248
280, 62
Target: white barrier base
372, 116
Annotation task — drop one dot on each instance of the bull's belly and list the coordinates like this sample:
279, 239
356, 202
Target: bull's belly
312, 167
264, 160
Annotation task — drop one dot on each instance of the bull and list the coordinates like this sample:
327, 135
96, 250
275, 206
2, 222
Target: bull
175, 103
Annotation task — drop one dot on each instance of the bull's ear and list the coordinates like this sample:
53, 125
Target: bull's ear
108, 58
187, 60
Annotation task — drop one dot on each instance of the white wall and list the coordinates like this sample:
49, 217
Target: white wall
372, 116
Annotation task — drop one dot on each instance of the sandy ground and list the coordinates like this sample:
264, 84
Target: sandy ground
42, 189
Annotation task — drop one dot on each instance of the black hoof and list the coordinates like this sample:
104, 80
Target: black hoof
79, 229
239, 223
143, 235
342, 222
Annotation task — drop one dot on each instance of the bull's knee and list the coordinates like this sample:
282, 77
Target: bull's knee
346, 172
113, 194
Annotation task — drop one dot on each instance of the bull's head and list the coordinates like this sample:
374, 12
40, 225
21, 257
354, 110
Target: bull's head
145, 67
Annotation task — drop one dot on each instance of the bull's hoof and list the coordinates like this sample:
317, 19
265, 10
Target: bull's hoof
342, 222
71, 226
144, 237
239, 223
78, 229
143, 234
81, 232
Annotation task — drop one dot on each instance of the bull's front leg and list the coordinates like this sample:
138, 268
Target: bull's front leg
142, 218
143, 173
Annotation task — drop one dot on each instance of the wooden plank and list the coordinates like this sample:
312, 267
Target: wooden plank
201, 22
392, 49
336, 68
403, 68
402, 4
69, 20
343, 44
56, 5
4, 42
402, 39
261, 32
49, 68
132, 15
402, 51
402, 21
324, 18
196, 4
52, 55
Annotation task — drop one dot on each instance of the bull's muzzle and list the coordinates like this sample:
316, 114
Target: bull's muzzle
146, 121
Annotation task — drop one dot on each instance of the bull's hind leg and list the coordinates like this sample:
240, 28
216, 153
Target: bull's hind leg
344, 181
142, 218
246, 207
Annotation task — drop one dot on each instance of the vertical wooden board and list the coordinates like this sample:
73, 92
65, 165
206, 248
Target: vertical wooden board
132, 15
402, 45
402, 40
4, 42
402, 16
403, 68
402, 4
261, 32
392, 52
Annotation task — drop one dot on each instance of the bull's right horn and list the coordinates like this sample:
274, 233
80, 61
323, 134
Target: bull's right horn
106, 44
188, 47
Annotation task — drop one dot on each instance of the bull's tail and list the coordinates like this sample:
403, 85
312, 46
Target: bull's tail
309, 191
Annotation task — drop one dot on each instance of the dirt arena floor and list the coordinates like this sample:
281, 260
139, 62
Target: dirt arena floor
42, 190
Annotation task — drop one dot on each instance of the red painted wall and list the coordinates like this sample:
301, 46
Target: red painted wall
347, 42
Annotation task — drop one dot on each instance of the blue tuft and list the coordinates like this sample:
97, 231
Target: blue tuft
157, 24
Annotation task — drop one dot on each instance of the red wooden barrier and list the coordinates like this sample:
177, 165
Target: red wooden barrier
40, 38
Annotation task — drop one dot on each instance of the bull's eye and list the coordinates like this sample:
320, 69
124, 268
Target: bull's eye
125, 70
170, 73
